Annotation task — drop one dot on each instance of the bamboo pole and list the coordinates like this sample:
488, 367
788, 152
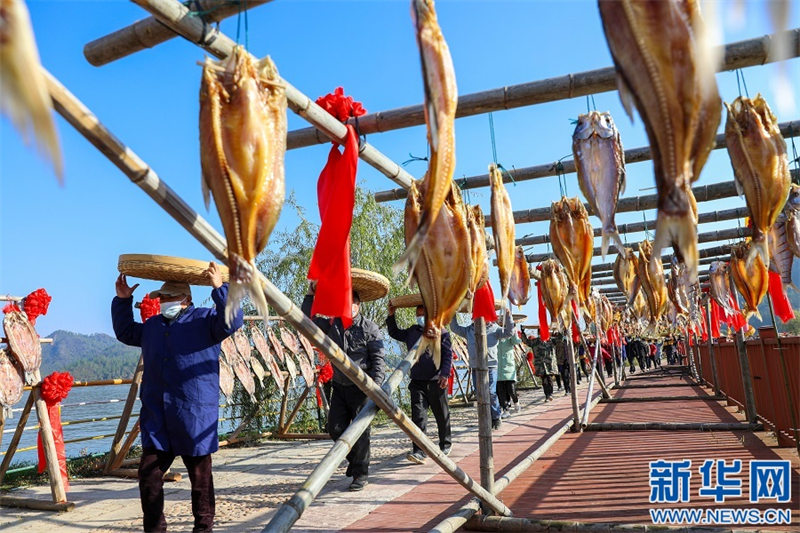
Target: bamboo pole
133, 473
736, 55
126, 415
602, 270
149, 32
585, 417
714, 251
484, 406
673, 426
176, 17
9, 298
296, 409
744, 364
33, 503
126, 446
660, 399
49, 445
144, 177
573, 380
12, 447
284, 402
785, 368
293, 508
42, 340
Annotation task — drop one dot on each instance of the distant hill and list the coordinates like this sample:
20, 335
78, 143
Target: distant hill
88, 357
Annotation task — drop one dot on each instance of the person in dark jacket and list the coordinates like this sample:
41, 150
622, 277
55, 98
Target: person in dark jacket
179, 390
363, 344
428, 384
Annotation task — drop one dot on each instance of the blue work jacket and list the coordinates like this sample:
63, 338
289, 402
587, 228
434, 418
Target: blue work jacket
180, 383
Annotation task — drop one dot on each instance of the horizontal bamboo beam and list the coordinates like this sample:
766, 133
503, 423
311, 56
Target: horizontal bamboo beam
673, 426
176, 16
660, 399
735, 55
610, 281
596, 274
42, 340
9, 298
149, 32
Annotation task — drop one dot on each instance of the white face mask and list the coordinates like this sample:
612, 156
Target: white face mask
171, 310
421, 321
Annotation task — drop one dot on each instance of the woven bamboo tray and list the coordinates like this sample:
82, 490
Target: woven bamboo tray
166, 268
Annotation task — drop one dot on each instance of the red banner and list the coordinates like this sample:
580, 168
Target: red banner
544, 328
483, 303
54, 389
780, 303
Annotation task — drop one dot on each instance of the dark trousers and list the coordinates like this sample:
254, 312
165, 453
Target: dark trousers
426, 394
558, 379
507, 393
563, 368
547, 385
152, 466
609, 367
346, 402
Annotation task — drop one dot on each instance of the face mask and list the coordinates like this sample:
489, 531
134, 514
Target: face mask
171, 310
421, 321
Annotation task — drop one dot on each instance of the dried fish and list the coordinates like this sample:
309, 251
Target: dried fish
242, 147
243, 345
760, 165
441, 98
242, 371
792, 211
555, 292
720, 286
228, 350
23, 341
625, 273
444, 270
308, 349
477, 238
663, 66
12, 383
677, 287
293, 344
276, 345
572, 237
651, 276
750, 276
600, 164
258, 370
225, 378
520, 283
24, 97
502, 229
781, 257
263, 348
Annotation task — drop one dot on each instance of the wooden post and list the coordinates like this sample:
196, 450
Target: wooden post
573, 380
614, 364
714, 371
484, 406
699, 359
461, 387
12, 447
585, 417
690, 353
126, 446
284, 401
296, 409
49, 445
744, 363
122, 426
785, 375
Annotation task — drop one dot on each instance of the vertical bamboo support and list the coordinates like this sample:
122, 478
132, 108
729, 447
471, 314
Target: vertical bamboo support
12, 446
590, 388
484, 406
747, 376
614, 365
296, 410
714, 370
573, 380
690, 354
785, 375
284, 402
2, 425
126, 446
699, 359
49, 445
126, 415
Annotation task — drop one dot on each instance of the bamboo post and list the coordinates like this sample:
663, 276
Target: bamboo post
143, 176
785, 374
744, 363
296, 409
614, 364
484, 405
293, 508
699, 359
585, 417
12, 447
284, 402
2, 425
49, 445
126, 415
126, 446
603, 388
461, 387
693, 368
714, 370
573, 380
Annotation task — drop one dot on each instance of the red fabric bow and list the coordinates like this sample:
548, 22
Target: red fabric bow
325, 372
36, 304
340, 106
330, 263
54, 389
483, 303
450, 380
783, 309
11, 308
149, 307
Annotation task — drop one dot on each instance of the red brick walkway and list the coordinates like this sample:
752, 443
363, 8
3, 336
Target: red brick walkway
592, 476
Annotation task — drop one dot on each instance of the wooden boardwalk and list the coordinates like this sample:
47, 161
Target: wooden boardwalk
597, 476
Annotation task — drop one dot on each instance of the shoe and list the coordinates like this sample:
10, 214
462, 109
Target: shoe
496, 423
447, 449
505, 414
417, 457
517, 408
359, 482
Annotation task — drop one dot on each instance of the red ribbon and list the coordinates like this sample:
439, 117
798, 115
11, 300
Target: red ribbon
149, 307
576, 332
783, 309
36, 304
11, 308
340, 106
544, 328
483, 303
450, 379
716, 312
54, 389
330, 262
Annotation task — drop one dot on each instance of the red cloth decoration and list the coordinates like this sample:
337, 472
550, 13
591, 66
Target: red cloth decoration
324, 375
716, 312
451, 379
780, 303
11, 308
149, 307
36, 304
54, 389
529, 357
483, 303
544, 328
736, 321
330, 263
576, 332
340, 106
703, 327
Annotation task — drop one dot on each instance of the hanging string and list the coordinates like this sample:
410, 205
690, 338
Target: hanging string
594, 107
795, 157
740, 81
413, 158
587, 104
507, 173
243, 10
646, 231
491, 135
558, 167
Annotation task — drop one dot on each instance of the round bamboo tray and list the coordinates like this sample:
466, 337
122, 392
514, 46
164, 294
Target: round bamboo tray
519, 317
369, 285
166, 268
406, 300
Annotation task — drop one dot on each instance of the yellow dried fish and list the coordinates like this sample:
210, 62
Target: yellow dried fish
23, 92
242, 147
572, 237
651, 277
792, 211
751, 277
444, 270
520, 283
760, 165
661, 57
441, 99
720, 287
502, 229
625, 273
555, 292
477, 237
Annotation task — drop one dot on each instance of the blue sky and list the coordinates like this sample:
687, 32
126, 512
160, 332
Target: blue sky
67, 239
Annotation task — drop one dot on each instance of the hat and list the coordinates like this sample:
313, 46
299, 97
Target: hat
171, 289
369, 285
406, 300
519, 317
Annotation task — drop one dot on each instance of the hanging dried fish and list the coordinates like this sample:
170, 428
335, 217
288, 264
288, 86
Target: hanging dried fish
293, 344
242, 147
792, 211
520, 283
263, 348
752, 280
677, 287
286, 359
555, 292
441, 98
477, 238
781, 257
24, 97
228, 350
600, 164
760, 165
23, 341
243, 345
225, 378
572, 237
242, 371
625, 267
308, 349
651, 276
720, 286
502, 229
444, 270
662, 57
12, 383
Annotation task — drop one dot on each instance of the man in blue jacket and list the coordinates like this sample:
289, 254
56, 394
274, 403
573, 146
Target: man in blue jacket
179, 391
428, 384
